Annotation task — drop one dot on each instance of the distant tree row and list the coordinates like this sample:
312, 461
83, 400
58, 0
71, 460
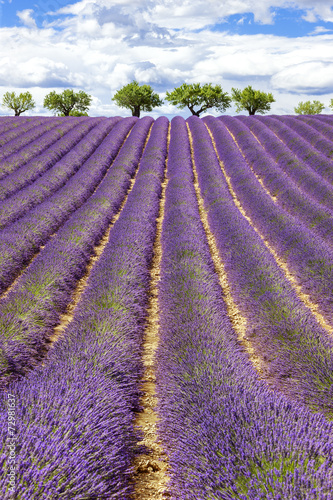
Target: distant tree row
195, 97
68, 103
137, 98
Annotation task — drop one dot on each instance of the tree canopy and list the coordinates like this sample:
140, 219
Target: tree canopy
253, 101
193, 95
309, 108
68, 102
19, 104
137, 98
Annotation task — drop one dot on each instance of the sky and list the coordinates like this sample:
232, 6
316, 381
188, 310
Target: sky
280, 46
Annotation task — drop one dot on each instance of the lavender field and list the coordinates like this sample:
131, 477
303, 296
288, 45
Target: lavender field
166, 308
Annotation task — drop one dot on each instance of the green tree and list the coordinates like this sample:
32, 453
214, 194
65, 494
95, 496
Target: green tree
22, 102
137, 98
331, 104
68, 103
253, 101
192, 95
309, 108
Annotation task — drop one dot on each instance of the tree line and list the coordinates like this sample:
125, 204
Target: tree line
137, 98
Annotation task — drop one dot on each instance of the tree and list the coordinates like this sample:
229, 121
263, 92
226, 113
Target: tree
253, 101
192, 94
309, 108
331, 104
22, 102
137, 98
68, 102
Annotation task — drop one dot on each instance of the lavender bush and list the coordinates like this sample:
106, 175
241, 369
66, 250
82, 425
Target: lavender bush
35, 168
228, 437
56, 176
23, 238
80, 407
32, 309
296, 350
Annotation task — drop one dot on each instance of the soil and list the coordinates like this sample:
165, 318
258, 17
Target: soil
150, 477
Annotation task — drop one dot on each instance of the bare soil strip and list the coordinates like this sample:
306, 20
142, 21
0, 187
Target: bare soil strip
237, 320
304, 297
67, 316
150, 477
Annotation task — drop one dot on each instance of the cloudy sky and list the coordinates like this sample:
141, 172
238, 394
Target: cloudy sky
284, 47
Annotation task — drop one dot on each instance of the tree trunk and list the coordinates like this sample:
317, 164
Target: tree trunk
194, 113
17, 112
252, 112
136, 111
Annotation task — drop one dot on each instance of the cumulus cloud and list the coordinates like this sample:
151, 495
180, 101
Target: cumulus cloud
26, 18
313, 77
98, 46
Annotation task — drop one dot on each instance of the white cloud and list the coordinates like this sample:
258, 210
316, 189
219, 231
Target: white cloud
26, 18
98, 46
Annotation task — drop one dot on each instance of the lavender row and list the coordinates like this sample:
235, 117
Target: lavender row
24, 200
44, 290
21, 127
23, 238
280, 186
228, 437
308, 257
318, 134
14, 146
44, 137
11, 123
317, 161
77, 412
325, 128
297, 351
310, 182
37, 166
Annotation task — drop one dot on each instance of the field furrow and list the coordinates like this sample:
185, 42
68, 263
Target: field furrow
308, 258
46, 136
281, 188
297, 351
20, 241
29, 172
8, 123
88, 390
11, 137
56, 176
44, 290
228, 437
151, 463
312, 131
307, 180
300, 148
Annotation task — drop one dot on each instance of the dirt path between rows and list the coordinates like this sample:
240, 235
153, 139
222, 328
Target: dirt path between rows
150, 477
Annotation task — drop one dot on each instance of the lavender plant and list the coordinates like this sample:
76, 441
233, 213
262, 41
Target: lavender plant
298, 352
284, 190
31, 310
227, 435
301, 149
56, 176
309, 258
308, 181
22, 239
38, 166
311, 133
80, 407
40, 138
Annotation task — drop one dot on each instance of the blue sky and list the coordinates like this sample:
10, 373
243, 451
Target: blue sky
281, 46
